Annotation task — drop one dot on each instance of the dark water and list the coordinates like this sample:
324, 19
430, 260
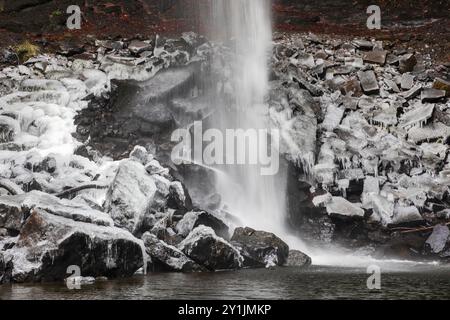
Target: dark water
420, 282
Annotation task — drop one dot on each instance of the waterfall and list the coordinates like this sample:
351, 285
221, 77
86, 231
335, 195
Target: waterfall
257, 200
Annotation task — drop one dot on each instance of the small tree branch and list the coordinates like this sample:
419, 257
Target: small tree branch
69, 192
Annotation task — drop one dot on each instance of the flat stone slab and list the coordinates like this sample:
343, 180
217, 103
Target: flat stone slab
412, 93
369, 81
442, 84
376, 56
363, 44
432, 95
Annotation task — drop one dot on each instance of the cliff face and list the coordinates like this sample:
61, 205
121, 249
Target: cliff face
176, 15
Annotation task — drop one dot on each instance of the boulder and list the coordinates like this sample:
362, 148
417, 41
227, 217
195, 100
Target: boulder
192, 220
130, 194
48, 244
207, 249
164, 257
260, 248
298, 259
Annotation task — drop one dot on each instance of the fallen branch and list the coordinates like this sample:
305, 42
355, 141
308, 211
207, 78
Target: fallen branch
411, 230
70, 192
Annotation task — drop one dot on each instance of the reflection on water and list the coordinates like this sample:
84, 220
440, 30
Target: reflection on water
417, 282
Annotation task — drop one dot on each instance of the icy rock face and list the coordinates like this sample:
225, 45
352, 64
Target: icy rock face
378, 144
16, 208
341, 207
48, 244
260, 248
164, 257
204, 247
130, 195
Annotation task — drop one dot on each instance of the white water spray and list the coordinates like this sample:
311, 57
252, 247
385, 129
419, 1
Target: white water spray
258, 201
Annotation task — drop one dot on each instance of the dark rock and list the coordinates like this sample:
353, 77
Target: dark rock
137, 46
369, 81
298, 259
49, 164
166, 258
407, 63
207, 249
260, 248
192, 220
9, 127
179, 198
363, 44
432, 95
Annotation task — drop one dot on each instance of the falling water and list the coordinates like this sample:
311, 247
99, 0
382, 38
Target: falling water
258, 201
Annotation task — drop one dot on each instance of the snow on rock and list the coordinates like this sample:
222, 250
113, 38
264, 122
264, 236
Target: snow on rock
207, 249
48, 244
130, 194
164, 257
193, 219
342, 207
77, 211
406, 214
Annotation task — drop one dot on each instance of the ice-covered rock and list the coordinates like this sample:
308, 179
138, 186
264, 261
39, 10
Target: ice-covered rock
48, 244
164, 257
207, 249
17, 207
260, 248
130, 194
406, 214
342, 207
